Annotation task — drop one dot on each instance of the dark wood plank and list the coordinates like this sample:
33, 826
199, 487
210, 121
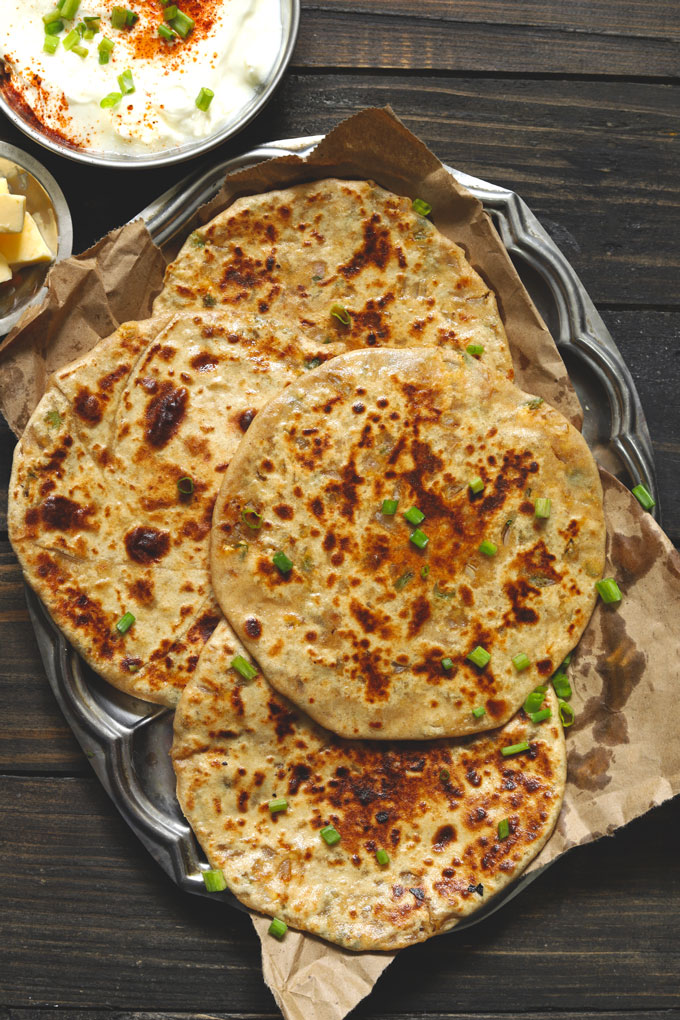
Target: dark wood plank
101, 1014
359, 38
89, 920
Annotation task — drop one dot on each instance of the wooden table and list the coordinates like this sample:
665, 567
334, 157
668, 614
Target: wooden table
576, 106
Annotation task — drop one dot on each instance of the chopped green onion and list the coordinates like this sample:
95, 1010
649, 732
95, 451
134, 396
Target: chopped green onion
50, 43
476, 485
515, 748
69, 9
402, 581
183, 24
419, 538
170, 12
447, 664
534, 701
567, 660
542, 508
54, 15
54, 28
479, 656
185, 485
88, 33
421, 207
245, 668
278, 804
214, 880
330, 835
71, 39
80, 50
534, 403
488, 548
414, 515
503, 828
53, 419
251, 518
382, 857
521, 661
118, 17
341, 314
165, 32
131, 18
278, 928
479, 712
281, 561
80, 28
425, 571
125, 623
567, 714
112, 99
389, 507
609, 590
560, 682
92, 21
543, 713
476, 350
104, 48
125, 82
642, 495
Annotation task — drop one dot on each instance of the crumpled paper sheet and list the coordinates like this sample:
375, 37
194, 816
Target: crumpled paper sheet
624, 756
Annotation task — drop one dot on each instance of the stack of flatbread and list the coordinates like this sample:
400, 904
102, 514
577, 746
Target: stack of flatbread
305, 505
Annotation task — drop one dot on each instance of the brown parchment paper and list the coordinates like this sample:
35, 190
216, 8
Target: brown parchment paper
624, 756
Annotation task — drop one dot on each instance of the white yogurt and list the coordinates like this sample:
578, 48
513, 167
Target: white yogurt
231, 51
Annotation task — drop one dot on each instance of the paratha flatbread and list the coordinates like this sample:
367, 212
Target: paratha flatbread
291, 256
366, 632
434, 807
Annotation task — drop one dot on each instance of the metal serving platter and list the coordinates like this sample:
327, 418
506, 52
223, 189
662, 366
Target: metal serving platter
126, 740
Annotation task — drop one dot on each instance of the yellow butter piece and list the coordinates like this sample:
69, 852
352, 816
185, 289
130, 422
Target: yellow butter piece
4, 187
12, 212
25, 248
5, 271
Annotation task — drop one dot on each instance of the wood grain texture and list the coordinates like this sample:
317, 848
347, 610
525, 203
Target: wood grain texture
88, 919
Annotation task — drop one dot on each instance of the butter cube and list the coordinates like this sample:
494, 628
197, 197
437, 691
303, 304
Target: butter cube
5, 271
25, 248
12, 212
4, 187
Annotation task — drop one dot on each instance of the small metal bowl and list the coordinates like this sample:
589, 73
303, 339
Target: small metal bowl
46, 204
26, 122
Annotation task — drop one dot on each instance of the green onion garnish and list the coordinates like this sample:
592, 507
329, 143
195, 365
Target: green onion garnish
476, 350
389, 507
183, 24
281, 561
54, 28
278, 928
112, 99
251, 518
125, 82
414, 515
425, 571
166, 33
642, 494
125, 623
185, 485
567, 714
503, 828
80, 50
72, 39
89, 33
170, 12
131, 18
534, 701
560, 682
54, 15
341, 314
567, 660
421, 207
278, 804
214, 880
478, 712
104, 49
382, 857
402, 581
609, 590
447, 664
488, 548
118, 17
521, 661
479, 656
476, 484
542, 508
50, 43
543, 713
92, 21
330, 835
69, 9
245, 668
515, 748
419, 538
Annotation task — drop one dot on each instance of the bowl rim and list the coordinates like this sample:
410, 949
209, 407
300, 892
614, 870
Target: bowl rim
177, 154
